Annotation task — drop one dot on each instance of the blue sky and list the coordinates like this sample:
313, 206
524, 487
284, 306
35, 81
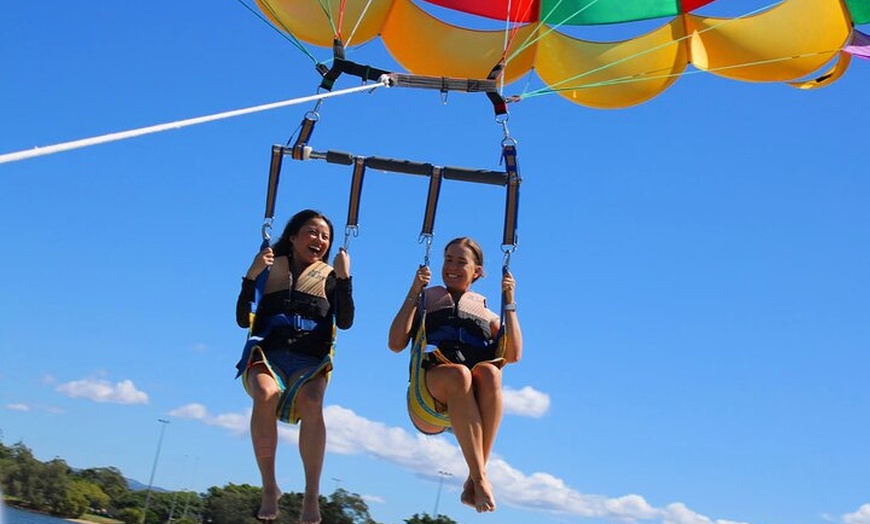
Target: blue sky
692, 276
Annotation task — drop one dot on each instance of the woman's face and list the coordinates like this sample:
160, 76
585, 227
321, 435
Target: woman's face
311, 243
460, 268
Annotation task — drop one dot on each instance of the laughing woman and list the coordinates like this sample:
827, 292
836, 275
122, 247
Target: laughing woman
286, 364
460, 369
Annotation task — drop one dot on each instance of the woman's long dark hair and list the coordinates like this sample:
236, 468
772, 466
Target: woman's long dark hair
283, 247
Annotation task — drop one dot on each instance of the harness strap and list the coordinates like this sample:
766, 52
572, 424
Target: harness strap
359, 171
305, 132
431, 201
269, 214
511, 212
340, 65
272, 186
420, 401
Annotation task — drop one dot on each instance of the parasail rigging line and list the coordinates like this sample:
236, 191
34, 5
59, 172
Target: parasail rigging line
651, 76
112, 137
553, 88
536, 35
358, 22
285, 33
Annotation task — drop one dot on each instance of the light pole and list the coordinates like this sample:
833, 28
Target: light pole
163, 423
186, 496
441, 474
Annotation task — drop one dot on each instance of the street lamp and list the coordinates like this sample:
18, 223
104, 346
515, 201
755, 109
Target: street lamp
163, 423
337, 483
441, 474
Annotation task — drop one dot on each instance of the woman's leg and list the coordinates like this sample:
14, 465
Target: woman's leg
486, 382
451, 384
264, 436
312, 444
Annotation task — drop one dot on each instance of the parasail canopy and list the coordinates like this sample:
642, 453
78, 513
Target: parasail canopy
800, 42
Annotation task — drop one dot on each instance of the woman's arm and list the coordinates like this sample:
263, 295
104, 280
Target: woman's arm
344, 307
513, 350
243, 303
400, 328
264, 259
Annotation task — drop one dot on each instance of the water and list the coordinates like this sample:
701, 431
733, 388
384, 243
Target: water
16, 516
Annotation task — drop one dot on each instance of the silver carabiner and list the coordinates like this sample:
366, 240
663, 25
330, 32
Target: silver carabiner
266, 230
350, 231
428, 238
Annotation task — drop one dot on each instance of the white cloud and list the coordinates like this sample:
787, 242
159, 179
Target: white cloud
123, 392
18, 407
369, 499
351, 434
678, 513
200, 348
861, 516
527, 402
235, 422
190, 411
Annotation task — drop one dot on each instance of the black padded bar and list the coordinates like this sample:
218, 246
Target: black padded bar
274, 174
359, 171
432, 201
338, 157
480, 176
399, 166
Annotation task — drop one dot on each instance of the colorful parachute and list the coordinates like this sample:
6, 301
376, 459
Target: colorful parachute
788, 42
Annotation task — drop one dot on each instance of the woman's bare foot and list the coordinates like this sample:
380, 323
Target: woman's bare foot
269, 504
483, 498
467, 496
310, 510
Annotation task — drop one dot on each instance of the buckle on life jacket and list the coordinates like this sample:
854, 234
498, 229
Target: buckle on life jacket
302, 324
293, 321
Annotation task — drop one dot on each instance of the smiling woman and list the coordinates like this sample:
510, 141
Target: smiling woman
459, 348
285, 365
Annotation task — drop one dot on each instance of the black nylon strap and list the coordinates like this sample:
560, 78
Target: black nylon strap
274, 175
511, 211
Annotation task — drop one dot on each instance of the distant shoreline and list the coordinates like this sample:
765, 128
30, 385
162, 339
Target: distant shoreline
30, 510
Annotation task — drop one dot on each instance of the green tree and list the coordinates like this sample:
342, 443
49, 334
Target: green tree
75, 501
110, 480
232, 504
94, 496
18, 479
130, 515
425, 518
345, 508
53, 485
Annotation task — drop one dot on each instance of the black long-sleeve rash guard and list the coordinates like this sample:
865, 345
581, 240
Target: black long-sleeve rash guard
338, 306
